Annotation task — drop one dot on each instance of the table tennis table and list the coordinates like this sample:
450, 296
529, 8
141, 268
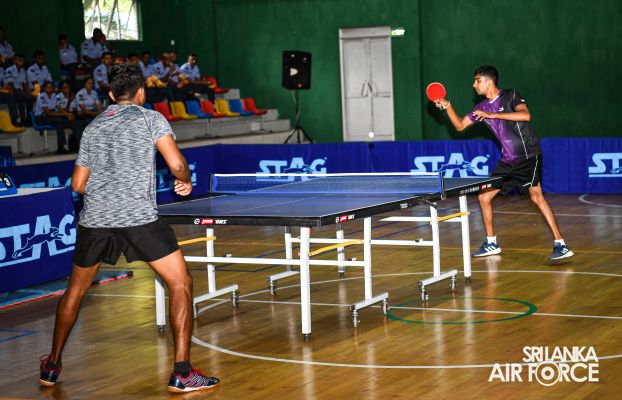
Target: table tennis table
317, 200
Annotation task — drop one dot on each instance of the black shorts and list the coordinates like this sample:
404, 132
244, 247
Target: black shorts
147, 242
525, 174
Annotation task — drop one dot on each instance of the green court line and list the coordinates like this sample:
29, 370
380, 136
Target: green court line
532, 309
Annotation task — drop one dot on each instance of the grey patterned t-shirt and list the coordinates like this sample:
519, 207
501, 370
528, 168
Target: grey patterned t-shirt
119, 148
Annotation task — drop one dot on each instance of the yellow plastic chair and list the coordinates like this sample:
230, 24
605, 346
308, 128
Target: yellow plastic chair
7, 127
178, 108
222, 106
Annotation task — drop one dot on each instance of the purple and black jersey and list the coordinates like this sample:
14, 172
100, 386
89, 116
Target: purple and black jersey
518, 142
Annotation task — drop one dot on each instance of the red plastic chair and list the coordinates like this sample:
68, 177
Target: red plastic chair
216, 88
249, 105
164, 109
208, 108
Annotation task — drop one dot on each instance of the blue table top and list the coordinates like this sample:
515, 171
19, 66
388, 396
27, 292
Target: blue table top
310, 209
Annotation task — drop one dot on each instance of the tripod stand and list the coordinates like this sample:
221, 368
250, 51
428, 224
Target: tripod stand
298, 130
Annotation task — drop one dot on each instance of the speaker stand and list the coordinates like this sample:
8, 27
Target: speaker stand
298, 132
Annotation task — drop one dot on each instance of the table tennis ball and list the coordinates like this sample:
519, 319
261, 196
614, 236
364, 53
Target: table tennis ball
371, 134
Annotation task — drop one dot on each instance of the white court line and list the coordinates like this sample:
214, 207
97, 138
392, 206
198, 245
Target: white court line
583, 200
297, 303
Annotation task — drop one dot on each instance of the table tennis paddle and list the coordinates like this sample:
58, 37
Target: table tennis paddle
435, 91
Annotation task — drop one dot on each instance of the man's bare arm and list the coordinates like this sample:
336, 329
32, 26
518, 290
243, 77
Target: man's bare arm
459, 123
521, 114
176, 163
79, 178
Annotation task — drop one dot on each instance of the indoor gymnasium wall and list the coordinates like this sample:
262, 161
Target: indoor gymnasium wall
562, 55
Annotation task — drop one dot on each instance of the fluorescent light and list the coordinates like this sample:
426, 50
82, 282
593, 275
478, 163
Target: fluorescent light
398, 32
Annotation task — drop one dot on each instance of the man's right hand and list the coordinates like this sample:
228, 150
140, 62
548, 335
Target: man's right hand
443, 104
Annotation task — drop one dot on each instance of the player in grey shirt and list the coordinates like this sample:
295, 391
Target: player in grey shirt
115, 171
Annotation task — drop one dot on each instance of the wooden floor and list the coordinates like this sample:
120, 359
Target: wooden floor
115, 351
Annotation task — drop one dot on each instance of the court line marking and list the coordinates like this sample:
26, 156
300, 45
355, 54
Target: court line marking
582, 199
374, 366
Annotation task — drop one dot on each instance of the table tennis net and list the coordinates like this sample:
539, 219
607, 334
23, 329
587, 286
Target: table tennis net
354, 184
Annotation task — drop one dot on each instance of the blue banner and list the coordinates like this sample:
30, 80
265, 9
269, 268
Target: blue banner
6, 157
37, 237
576, 165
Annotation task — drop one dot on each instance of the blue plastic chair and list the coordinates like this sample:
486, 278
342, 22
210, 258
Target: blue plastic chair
193, 108
148, 106
42, 129
236, 106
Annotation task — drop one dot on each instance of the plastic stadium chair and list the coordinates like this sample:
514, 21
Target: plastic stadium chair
163, 109
236, 106
208, 108
42, 129
249, 105
7, 126
178, 109
148, 106
194, 108
216, 88
222, 106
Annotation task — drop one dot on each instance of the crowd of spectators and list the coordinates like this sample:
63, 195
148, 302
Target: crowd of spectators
32, 90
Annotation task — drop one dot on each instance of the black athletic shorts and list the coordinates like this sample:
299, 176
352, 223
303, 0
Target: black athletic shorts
147, 242
525, 174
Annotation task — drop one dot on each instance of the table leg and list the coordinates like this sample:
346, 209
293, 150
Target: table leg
466, 237
305, 289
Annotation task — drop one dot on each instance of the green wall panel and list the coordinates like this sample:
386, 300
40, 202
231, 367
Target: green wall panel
564, 56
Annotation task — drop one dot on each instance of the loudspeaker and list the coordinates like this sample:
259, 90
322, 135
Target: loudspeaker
296, 70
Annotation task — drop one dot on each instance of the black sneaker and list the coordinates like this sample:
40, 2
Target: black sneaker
48, 375
194, 381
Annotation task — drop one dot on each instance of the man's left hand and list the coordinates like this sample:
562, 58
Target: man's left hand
182, 188
482, 115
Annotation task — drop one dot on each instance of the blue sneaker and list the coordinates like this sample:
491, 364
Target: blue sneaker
487, 249
560, 251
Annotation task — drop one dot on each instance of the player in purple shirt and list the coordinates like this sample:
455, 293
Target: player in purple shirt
506, 114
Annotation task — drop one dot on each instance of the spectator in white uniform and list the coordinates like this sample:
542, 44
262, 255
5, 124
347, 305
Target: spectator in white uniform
47, 113
6, 50
93, 48
15, 78
192, 73
100, 75
87, 101
38, 72
68, 58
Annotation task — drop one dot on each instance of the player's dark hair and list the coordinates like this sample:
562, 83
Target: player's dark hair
125, 80
106, 53
193, 55
488, 71
48, 83
132, 55
37, 53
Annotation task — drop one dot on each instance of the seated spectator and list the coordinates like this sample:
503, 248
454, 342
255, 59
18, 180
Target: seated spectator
68, 58
151, 80
88, 105
93, 48
15, 79
37, 73
191, 72
6, 50
47, 113
65, 98
7, 97
100, 75
155, 91
132, 58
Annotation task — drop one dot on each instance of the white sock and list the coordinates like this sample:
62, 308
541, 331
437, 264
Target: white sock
491, 239
560, 241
